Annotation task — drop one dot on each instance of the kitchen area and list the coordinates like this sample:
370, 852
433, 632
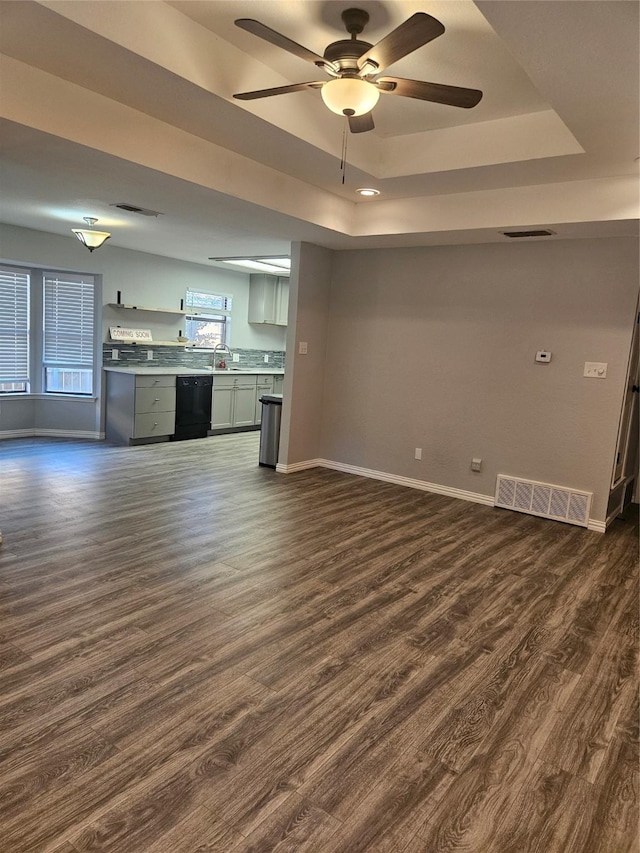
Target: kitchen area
163, 380
150, 404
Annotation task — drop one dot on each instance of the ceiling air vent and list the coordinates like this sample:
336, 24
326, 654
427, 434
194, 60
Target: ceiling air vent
542, 232
133, 208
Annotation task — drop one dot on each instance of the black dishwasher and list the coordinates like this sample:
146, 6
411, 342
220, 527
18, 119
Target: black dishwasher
193, 407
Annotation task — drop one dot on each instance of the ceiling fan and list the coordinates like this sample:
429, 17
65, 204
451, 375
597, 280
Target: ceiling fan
354, 66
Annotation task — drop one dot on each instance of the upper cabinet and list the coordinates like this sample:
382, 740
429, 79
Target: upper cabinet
268, 299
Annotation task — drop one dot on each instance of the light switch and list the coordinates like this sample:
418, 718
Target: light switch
302, 348
595, 369
543, 356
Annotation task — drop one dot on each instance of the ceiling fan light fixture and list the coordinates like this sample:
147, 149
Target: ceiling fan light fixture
350, 96
90, 238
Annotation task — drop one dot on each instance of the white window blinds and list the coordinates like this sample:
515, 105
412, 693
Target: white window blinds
14, 325
68, 320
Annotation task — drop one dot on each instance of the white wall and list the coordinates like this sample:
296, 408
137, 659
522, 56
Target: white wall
143, 279
434, 348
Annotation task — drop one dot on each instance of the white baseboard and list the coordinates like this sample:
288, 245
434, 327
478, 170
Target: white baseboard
398, 480
51, 433
599, 526
281, 468
409, 482
68, 433
16, 433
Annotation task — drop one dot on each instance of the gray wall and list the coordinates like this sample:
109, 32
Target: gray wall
305, 374
434, 348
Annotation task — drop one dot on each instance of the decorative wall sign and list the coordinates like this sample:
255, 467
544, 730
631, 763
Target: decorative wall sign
118, 333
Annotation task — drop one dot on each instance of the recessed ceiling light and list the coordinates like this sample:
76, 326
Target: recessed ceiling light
367, 191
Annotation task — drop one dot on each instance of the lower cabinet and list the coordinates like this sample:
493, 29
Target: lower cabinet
244, 408
139, 409
278, 382
236, 400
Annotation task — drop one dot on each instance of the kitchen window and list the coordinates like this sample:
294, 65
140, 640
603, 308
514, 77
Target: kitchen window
210, 324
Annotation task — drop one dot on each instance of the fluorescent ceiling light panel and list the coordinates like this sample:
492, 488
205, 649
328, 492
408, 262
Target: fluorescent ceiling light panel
257, 265
277, 266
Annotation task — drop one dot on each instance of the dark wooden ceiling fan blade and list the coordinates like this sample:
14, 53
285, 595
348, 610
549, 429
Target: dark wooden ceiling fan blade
277, 90
276, 38
361, 124
453, 96
409, 36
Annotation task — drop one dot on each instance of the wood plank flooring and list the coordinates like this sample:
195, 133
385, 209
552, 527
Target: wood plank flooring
199, 654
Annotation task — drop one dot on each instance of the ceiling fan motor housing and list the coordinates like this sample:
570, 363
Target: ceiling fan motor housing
345, 53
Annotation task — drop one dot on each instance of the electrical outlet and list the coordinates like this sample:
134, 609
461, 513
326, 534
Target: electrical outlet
476, 465
418, 453
595, 369
235, 357
266, 358
302, 348
149, 355
114, 355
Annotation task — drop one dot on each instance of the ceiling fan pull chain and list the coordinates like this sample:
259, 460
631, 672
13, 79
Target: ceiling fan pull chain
345, 139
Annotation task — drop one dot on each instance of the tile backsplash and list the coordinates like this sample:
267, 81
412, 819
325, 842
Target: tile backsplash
177, 356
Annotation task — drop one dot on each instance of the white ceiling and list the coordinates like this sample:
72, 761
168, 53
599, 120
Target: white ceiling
108, 102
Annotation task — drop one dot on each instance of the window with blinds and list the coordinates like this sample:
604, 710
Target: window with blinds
210, 323
68, 338
14, 330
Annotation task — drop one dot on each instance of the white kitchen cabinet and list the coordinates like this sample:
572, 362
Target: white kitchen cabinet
233, 403
244, 406
268, 299
278, 382
222, 408
139, 409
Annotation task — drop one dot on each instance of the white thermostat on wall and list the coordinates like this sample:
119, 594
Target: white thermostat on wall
543, 356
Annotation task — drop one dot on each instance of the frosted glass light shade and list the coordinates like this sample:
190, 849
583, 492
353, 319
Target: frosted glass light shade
91, 239
350, 93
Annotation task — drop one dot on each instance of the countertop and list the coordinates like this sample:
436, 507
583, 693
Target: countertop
192, 371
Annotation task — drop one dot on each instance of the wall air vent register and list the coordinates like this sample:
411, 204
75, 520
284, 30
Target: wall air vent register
544, 500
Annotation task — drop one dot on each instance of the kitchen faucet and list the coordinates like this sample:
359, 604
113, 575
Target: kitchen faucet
215, 350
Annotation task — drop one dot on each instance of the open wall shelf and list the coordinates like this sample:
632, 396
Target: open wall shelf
154, 310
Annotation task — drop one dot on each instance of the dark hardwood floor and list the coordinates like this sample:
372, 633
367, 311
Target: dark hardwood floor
199, 654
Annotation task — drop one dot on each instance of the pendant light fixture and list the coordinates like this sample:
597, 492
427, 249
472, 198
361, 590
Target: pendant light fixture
90, 238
